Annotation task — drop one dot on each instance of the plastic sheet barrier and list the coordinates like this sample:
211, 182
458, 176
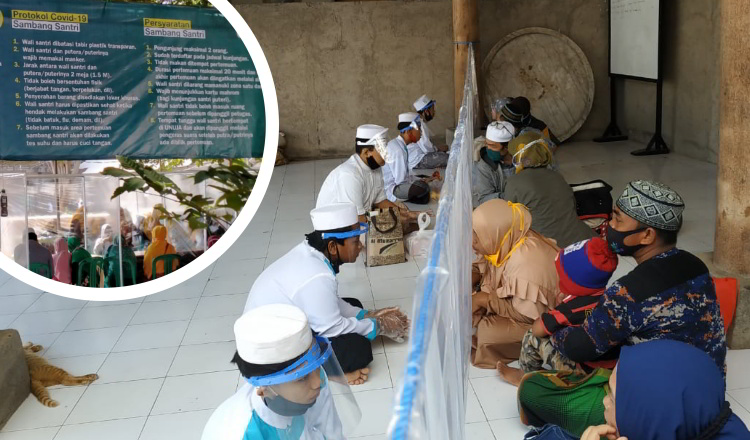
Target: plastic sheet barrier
431, 402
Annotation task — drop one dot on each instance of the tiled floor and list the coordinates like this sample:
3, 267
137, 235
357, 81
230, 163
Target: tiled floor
163, 361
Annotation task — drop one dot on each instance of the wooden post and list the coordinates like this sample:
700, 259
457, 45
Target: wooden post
465, 30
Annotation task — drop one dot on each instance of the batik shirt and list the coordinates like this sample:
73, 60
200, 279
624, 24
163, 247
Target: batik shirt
670, 296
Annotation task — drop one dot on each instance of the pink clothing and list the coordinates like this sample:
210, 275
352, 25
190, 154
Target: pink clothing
61, 262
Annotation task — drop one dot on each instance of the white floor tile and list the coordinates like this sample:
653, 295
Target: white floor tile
84, 342
204, 358
48, 302
393, 271
474, 411
136, 365
183, 426
737, 362
145, 336
32, 414
202, 331
165, 311
103, 317
359, 289
17, 304
509, 428
383, 289
183, 291
397, 367
475, 372
125, 429
44, 322
229, 285
224, 305
480, 431
379, 378
45, 340
5, 320
376, 407
742, 397
196, 392
33, 434
116, 401
738, 409
113, 303
498, 399
248, 268
16, 287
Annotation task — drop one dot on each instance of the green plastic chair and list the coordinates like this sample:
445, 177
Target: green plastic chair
41, 269
168, 259
126, 265
92, 264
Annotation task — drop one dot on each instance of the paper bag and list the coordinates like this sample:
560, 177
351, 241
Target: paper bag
385, 239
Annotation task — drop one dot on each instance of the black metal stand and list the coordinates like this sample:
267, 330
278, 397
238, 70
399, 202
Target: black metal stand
612, 133
656, 145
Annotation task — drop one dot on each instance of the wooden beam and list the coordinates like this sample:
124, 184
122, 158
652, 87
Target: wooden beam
465, 30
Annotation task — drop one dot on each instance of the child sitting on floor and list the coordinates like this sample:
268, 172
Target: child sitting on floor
584, 269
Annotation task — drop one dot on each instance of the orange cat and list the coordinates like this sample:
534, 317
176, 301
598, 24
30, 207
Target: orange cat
44, 375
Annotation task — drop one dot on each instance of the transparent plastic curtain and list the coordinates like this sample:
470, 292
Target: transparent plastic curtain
13, 229
431, 402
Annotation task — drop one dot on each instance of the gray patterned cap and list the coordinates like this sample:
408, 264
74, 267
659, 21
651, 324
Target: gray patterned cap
653, 204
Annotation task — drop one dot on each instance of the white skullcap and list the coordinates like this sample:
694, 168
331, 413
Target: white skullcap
407, 117
500, 131
422, 103
31, 231
272, 334
334, 216
368, 132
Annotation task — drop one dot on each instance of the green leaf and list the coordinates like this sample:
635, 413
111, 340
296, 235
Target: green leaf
119, 190
195, 223
133, 184
116, 172
201, 176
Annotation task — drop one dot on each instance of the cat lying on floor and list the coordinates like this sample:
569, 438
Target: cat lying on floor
44, 375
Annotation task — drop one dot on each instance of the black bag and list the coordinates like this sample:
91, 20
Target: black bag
593, 199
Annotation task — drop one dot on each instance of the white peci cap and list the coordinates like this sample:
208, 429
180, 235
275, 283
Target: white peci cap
408, 117
423, 103
334, 216
272, 334
375, 136
500, 131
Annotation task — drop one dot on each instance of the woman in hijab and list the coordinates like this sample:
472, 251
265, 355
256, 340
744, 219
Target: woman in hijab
159, 246
667, 390
544, 191
78, 254
61, 261
113, 266
515, 270
104, 241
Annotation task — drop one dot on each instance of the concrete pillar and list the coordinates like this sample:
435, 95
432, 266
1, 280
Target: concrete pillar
732, 243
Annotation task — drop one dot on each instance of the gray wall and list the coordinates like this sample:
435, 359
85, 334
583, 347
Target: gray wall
691, 83
338, 65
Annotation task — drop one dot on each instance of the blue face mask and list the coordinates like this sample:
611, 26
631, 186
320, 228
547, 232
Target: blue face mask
495, 156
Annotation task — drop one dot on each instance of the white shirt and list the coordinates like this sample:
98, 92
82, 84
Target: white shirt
303, 278
418, 150
232, 419
353, 182
396, 169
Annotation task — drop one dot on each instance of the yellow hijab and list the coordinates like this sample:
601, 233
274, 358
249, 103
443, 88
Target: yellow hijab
529, 150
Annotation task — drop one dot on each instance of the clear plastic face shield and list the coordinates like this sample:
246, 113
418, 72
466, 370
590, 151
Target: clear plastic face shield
380, 142
314, 393
520, 162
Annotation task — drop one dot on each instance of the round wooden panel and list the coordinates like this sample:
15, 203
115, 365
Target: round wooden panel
548, 68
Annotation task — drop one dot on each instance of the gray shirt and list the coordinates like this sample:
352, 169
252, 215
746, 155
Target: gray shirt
39, 254
551, 203
488, 179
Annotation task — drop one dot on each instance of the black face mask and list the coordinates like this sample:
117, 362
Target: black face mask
286, 408
372, 163
427, 117
616, 241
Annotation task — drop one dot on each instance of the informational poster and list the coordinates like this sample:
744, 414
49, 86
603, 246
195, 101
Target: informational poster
94, 79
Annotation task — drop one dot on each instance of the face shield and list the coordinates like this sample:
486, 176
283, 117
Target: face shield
543, 157
380, 142
314, 393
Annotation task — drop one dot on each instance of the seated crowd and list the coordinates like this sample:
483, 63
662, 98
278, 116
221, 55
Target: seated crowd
642, 359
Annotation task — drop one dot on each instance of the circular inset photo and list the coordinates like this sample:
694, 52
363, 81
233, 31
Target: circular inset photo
139, 142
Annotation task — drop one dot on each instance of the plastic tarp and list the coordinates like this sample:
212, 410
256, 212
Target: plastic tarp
431, 402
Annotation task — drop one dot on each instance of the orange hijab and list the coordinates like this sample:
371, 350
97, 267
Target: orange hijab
158, 247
